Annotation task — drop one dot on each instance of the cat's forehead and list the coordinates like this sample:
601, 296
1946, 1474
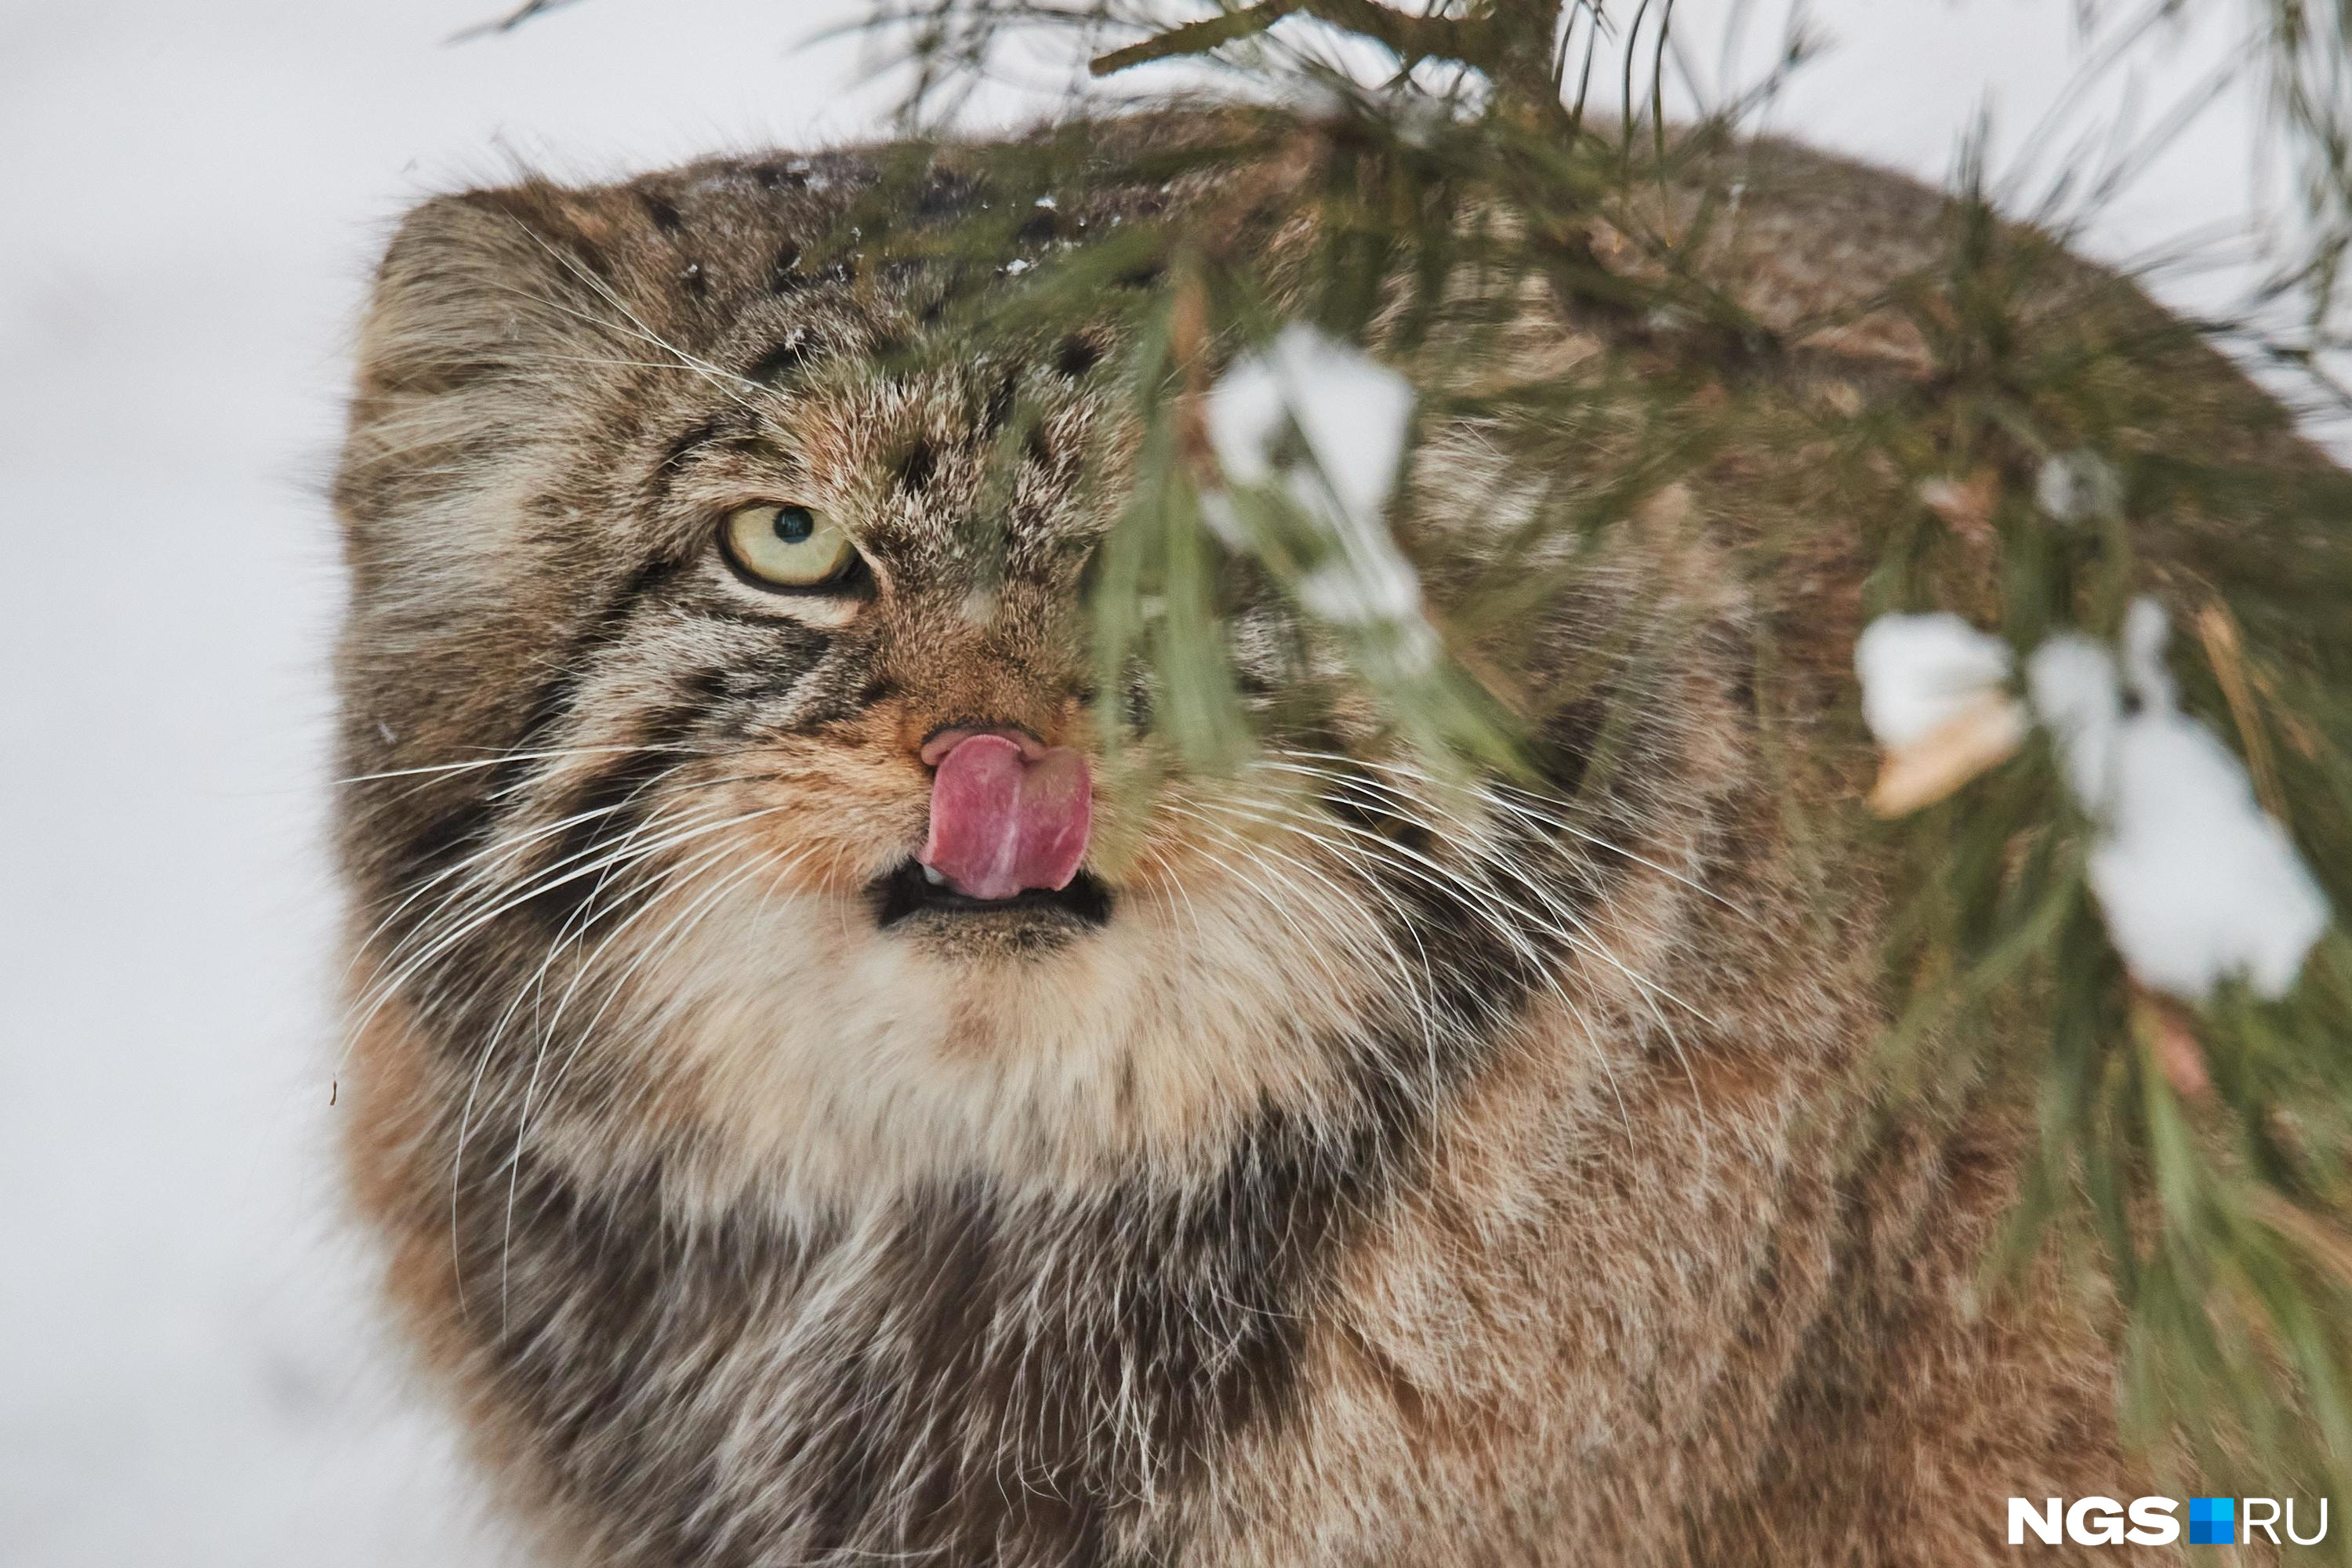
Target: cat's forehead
764, 269
777, 343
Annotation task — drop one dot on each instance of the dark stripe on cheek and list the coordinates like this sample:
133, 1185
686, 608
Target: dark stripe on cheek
828, 682
442, 841
464, 826
552, 702
1366, 802
610, 806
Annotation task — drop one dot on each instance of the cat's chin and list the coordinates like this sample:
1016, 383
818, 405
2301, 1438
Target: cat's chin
911, 903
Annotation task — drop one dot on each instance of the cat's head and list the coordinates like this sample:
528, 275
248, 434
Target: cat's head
728, 791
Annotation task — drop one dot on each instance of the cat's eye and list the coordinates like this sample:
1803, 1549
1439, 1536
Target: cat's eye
787, 546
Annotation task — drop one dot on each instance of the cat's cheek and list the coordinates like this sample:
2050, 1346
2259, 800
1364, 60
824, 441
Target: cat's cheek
833, 818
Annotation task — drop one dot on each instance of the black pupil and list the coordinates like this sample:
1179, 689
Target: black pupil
795, 524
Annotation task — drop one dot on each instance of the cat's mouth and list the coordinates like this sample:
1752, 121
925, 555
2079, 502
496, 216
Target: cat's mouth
912, 893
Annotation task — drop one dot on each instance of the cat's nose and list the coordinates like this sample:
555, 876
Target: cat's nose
946, 737
946, 682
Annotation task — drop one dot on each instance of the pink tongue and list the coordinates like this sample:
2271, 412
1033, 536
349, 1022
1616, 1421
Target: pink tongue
1002, 823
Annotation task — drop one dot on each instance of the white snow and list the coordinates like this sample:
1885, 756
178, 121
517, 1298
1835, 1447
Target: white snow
1352, 409
2197, 882
1352, 413
1920, 672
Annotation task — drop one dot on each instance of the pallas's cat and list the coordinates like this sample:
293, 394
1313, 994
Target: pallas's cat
824, 1105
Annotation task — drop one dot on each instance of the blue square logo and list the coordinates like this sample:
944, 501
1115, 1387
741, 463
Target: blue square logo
2212, 1520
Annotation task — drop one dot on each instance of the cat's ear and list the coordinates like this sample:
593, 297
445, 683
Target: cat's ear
488, 286
485, 306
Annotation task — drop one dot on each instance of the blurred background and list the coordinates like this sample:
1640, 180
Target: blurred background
190, 1372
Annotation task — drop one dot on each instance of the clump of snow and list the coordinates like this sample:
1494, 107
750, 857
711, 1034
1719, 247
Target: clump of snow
2197, 883
1934, 692
1352, 409
1919, 673
1352, 415
2075, 486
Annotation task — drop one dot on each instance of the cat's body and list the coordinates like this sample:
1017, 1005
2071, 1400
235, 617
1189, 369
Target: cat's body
1346, 1171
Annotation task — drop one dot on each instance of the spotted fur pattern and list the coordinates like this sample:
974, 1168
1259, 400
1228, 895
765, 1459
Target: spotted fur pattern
1404, 1170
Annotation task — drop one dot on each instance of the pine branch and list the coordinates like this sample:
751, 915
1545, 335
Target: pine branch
1512, 44
1195, 37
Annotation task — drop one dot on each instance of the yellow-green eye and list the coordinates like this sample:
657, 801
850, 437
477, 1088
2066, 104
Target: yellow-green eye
790, 546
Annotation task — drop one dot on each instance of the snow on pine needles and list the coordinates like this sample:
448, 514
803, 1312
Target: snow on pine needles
1322, 426
1932, 693
2197, 883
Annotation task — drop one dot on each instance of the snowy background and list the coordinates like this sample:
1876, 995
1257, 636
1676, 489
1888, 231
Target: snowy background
195, 192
